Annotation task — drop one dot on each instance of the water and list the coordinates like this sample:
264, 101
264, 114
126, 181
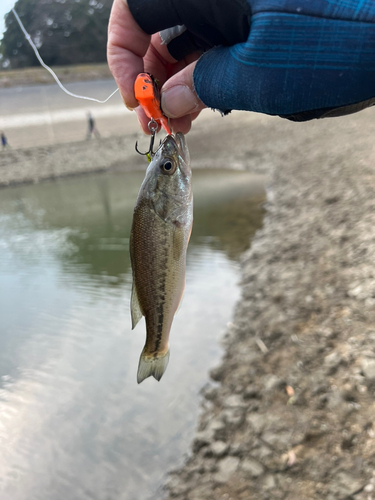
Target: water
74, 424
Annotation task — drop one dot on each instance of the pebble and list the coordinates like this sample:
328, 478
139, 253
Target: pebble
234, 401
234, 417
201, 439
252, 467
219, 448
217, 373
226, 467
269, 482
332, 362
210, 393
217, 429
251, 391
272, 382
257, 422
368, 368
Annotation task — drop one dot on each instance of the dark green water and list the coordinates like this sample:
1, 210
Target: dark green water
74, 424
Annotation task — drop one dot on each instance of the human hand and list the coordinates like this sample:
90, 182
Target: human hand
299, 60
132, 51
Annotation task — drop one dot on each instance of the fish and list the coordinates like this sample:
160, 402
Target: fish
161, 228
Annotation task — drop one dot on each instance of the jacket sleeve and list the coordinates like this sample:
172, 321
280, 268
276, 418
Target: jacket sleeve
300, 60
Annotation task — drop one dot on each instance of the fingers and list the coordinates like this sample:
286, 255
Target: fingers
131, 51
182, 124
178, 97
127, 45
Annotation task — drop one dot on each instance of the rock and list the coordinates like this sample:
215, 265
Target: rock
272, 382
345, 485
199, 493
234, 401
278, 439
234, 417
368, 368
252, 467
217, 373
237, 449
269, 482
256, 421
202, 439
262, 452
226, 468
332, 362
251, 391
219, 448
176, 487
217, 429
210, 393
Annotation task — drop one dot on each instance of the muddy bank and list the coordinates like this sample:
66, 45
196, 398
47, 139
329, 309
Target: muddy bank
290, 413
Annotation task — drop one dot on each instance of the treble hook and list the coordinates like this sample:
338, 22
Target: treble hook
153, 127
150, 151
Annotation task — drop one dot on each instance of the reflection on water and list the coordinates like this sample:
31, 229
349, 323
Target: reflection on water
73, 421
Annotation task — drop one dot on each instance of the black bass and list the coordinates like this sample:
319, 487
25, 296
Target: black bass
162, 222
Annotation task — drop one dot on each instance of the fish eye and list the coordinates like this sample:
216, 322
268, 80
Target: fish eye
168, 167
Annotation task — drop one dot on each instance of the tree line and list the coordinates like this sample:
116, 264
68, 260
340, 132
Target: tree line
64, 31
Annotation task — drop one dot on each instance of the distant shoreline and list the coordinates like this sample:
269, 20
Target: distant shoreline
37, 75
116, 152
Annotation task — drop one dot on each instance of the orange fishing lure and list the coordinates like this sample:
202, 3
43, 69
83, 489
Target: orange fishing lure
147, 94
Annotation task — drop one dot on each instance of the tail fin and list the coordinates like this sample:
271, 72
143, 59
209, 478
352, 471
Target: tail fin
154, 366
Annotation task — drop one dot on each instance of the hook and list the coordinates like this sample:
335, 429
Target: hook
153, 128
150, 151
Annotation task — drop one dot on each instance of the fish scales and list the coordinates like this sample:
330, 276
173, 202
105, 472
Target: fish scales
159, 276
160, 233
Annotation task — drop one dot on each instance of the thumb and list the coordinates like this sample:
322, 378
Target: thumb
178, 96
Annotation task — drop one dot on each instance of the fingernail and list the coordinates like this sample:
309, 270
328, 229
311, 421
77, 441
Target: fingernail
178, 101
123, 100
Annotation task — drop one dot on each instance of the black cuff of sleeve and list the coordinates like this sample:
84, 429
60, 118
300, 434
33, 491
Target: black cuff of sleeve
304, 116
186, 44
224, 22
153, 16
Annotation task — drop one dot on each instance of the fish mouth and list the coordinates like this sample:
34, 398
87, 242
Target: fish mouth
182, 147
176, 146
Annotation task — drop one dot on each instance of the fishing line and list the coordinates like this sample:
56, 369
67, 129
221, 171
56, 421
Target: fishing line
28, 38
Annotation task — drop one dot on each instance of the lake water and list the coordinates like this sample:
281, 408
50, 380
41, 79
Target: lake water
74, 423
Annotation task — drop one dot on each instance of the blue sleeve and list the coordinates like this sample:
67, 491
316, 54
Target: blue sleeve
301, 60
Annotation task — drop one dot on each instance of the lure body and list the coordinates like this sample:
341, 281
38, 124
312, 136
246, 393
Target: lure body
148, 95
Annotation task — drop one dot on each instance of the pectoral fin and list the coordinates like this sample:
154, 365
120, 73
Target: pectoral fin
135, 307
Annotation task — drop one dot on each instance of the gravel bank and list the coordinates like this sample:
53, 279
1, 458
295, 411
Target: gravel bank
290, 411
34, 165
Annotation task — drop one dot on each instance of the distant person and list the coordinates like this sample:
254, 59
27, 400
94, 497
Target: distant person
91, 127
4, 141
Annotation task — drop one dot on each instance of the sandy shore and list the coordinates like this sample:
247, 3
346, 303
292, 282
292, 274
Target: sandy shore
290, 411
